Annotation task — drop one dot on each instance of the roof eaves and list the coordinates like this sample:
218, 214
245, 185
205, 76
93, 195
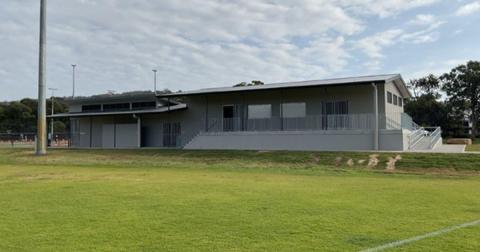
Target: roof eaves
129, 112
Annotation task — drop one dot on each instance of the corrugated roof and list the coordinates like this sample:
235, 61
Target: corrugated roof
128, 112
397, 78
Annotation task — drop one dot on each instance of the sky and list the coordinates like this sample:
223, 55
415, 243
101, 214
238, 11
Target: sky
210, 43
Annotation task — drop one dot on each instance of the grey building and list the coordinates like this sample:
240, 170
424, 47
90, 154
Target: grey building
359, 113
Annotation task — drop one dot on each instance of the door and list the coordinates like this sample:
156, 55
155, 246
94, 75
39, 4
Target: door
171, 133
228, 117
327, 111
335, 115
108, 136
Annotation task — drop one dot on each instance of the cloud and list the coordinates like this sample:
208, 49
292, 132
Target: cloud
384, 8
423, 19
372, 46
193, 43
468, 9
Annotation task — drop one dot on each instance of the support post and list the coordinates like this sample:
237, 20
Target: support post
206, 114
139, 130
41, 145
376, 131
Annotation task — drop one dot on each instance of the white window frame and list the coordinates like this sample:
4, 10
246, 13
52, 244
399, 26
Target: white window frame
389, 97
302, 111
269, 106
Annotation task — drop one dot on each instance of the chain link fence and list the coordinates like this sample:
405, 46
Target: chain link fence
27, 140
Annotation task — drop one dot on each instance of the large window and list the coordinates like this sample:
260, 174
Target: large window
144, 105
92, 108
259, 111
116, 107
389, 98
294, 110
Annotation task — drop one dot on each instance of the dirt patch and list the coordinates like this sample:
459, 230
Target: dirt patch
392, 161
373, 161
350, 162
361, 161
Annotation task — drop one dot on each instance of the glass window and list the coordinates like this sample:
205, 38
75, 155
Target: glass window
259, 111
395, 100
144, 105
400, 102
389, 97
116, 107
92, 108
294, 110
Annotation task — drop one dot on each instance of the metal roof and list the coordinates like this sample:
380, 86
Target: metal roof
128, 112
396, 78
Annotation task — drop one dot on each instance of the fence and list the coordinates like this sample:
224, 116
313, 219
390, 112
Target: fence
28, 140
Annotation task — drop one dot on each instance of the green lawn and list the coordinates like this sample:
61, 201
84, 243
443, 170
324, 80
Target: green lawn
475, 146
158, 200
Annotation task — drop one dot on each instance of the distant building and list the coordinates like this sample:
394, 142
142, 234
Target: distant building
358, 113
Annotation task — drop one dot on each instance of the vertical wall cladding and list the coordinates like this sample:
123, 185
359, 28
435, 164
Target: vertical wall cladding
392, 108
360, 99
126, 135
393, 111
74, 132
106, 132
84, 132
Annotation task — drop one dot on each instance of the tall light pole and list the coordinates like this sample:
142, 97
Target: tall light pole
41, 146
73, 80
53, 112
155, 80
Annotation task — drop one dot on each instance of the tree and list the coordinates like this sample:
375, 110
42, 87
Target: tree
252, 83
462, 86
18, 117
425, 85
427, 110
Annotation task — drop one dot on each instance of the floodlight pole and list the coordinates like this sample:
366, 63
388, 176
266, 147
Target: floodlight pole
41, 145
73, 80
155, 80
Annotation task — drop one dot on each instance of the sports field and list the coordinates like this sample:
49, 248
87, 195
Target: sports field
159, 200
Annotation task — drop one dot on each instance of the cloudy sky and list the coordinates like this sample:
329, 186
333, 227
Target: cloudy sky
207, 43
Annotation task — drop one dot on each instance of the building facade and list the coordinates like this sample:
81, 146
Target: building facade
348, 114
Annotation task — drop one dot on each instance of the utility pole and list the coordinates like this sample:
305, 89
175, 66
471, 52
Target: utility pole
73, 80
41, 145
53, 112
155, 81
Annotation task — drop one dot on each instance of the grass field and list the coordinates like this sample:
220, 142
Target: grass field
158, 200
475, 146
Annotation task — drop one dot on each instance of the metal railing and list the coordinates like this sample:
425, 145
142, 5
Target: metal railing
328, 122
317, 122
435, 136
416, 137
